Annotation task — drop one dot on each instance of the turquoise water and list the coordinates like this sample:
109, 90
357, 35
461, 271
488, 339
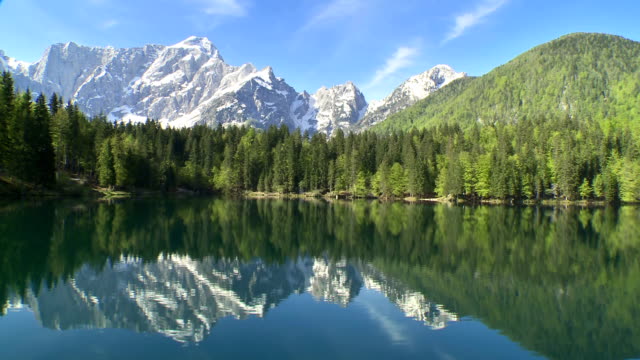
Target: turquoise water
221, 278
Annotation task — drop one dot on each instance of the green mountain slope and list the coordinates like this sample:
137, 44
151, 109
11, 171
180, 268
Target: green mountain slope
583, 75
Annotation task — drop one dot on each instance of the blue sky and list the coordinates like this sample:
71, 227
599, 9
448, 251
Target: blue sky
374, 43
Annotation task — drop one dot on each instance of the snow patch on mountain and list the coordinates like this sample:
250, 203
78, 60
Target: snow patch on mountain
408, 93
12, 65
338, 107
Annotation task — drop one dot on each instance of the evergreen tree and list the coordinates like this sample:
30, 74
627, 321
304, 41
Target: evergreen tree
585, 189
106, 171
360, 188
40, 144
20, 155
397, 180
381, 185
7, 102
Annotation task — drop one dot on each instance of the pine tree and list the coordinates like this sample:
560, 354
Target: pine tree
331, 175
360, 188
598, 186
41, 144
411, 166
585, 189
121, 162
397, 180
381, 184
20, 153
612, 188
106, 171
55, 103
483, 167
7, 104
629, 175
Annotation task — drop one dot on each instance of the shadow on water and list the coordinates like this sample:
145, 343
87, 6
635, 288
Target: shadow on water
564, 283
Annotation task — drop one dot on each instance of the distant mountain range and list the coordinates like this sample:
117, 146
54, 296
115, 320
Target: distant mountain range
189, 83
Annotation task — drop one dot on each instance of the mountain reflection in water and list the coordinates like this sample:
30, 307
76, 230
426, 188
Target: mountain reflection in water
183, 298
564, 283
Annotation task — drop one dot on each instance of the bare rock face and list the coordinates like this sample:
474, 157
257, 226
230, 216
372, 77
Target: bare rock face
329, 109
338, 107
189, 83
256, 98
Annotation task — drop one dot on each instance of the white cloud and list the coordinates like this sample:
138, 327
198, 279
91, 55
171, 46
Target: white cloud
469, 19
223, 7
108, 24
402, 58
336, 9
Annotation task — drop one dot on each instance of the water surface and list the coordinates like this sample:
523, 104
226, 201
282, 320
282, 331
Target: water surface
205, 278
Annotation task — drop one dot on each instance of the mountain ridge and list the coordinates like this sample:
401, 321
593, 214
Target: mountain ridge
584, 75
189, 83
412, 90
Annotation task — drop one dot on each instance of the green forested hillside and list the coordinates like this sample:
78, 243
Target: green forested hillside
584, 76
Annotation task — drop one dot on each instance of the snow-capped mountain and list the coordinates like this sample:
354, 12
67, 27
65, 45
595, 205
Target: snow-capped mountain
189, 83
330, 109
182, 85
408, 93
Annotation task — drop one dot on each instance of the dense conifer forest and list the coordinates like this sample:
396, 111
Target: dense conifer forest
558, 157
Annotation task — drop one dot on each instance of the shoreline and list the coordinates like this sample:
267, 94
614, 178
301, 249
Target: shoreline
87, 191
440, 200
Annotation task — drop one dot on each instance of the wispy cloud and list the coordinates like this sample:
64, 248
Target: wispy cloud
336, 9
469, 19
223, 7
108, 24
394, 329
402, 58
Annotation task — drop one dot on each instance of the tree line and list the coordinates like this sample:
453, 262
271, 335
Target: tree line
533, 158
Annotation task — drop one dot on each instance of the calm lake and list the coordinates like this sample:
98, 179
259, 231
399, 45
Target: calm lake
246, 279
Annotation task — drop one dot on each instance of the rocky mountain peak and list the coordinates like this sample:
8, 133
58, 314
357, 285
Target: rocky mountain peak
189, 83
422, 85
195, 43
337, 107
408, 93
